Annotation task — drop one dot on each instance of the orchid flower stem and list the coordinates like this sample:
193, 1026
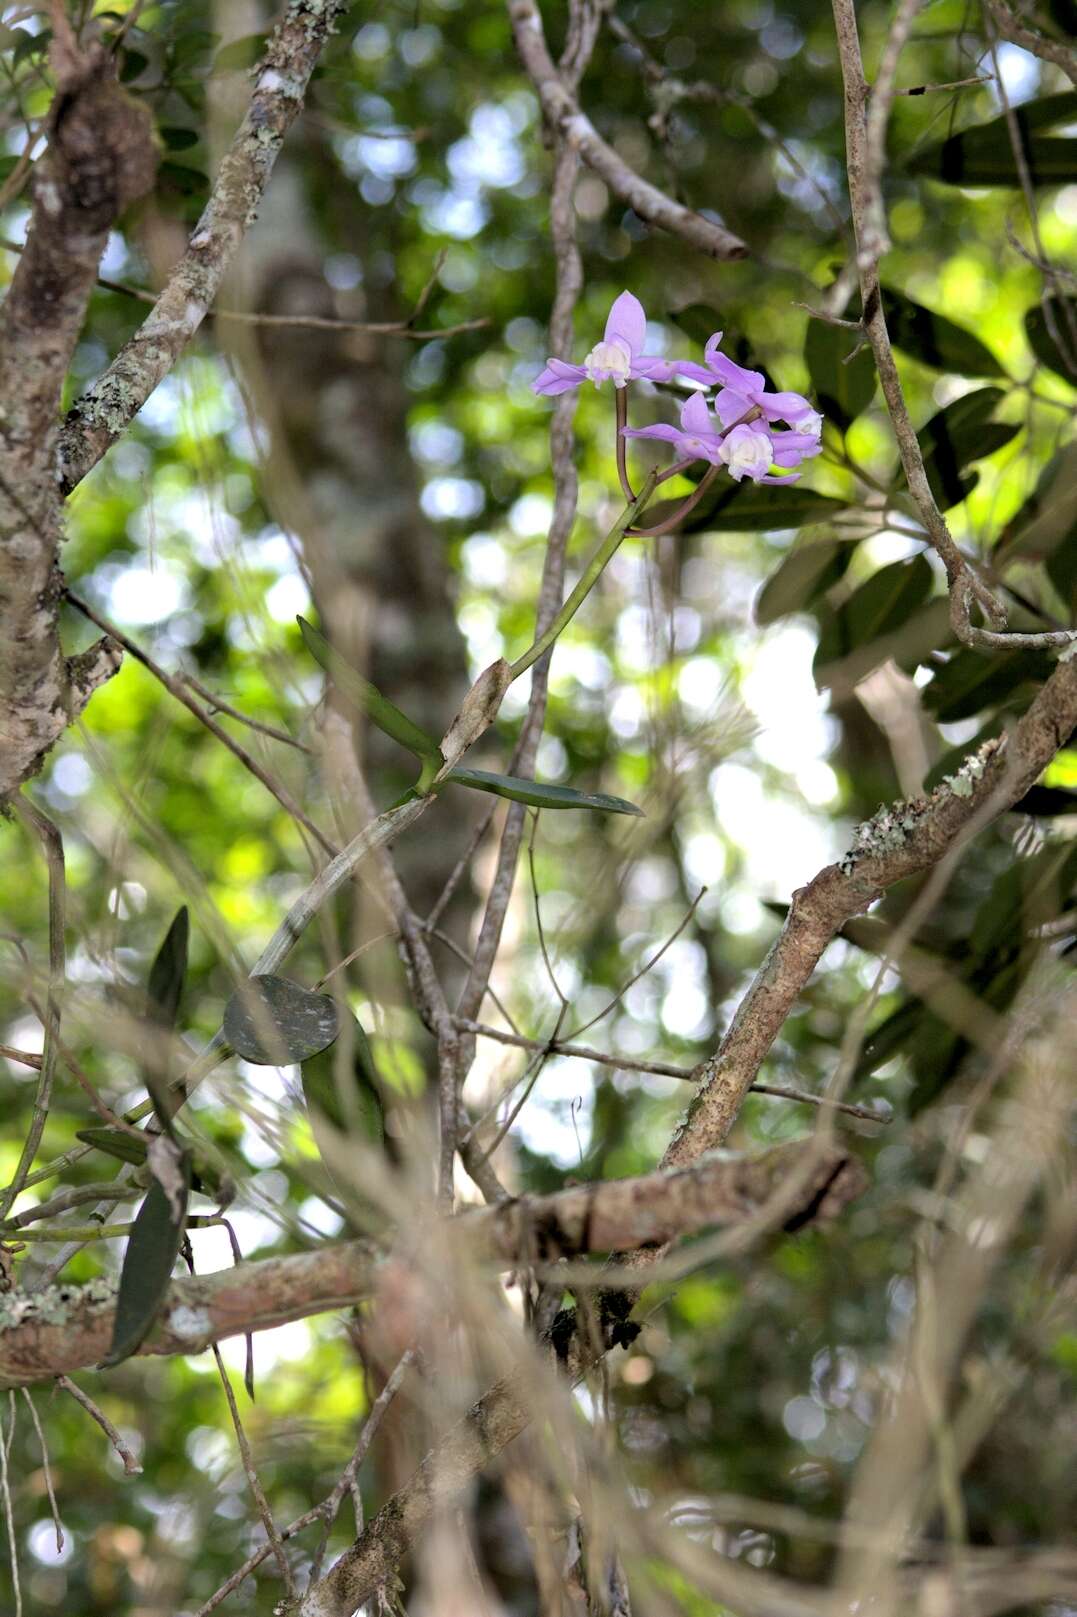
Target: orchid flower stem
682, 511
621, 395
675, 470
590, 575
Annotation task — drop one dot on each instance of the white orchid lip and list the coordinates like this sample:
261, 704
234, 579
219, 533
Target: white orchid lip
746, 452
609, 360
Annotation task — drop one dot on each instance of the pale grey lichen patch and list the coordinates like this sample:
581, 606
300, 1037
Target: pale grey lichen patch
968, 777
189, 1324
890, 828
887, 831
55, 1305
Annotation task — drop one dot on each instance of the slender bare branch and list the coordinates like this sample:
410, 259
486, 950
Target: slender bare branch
563, 114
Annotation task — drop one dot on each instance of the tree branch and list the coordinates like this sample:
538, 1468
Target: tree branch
107, 408
564, 116
68, 1328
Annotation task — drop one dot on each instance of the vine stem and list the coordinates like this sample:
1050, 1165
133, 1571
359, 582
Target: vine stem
589, 577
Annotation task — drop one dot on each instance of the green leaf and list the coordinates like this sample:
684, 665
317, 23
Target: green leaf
351, 1099
1044, 530
747, 507
956, 436
28, 45
843, 389
177, 139
878, 607
984, 154
239, 54
152, 1249
193, 45
132, 65
1060, 359
180, 178
114, 1143
934, 340
165, 985
698, 321
538, 795
366, 697
972, 681
803, 574
273, 1021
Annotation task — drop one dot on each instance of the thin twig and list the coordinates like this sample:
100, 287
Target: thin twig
176, 688
130, 1464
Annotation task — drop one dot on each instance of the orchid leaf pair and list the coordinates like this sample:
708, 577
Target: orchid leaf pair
370, 702
738, 430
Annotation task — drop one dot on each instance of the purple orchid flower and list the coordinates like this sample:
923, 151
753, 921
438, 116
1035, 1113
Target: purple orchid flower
695, 438
619, 357
741, 390
747, 451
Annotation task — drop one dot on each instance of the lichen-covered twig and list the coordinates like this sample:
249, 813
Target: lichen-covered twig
107, 408
563, 115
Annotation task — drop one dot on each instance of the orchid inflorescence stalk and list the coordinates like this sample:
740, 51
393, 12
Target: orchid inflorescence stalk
740, 435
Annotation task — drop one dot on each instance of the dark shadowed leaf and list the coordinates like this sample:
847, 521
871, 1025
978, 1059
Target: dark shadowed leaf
165, 985
366, 697
958, 435
239, 54
1045, 527
934, 340
177, 139
698, 321
28, 45
538, 795
880, 606
152, 1249
1056, 349
984, 154
132, 65
750, 508
801, 577
182, 180
973, 680
843, 389
273, 1021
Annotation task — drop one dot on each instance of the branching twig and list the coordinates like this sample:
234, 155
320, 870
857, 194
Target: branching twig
563, 114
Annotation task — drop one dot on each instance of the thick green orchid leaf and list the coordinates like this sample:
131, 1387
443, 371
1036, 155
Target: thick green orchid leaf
538, 795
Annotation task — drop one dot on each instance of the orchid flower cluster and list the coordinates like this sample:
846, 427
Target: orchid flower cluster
737, 430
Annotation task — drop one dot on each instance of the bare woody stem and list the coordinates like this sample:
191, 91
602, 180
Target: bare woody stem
621, 395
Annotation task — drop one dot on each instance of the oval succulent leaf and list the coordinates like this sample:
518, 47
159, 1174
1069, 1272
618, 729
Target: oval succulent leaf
273, 1022
537, 795
152, 1249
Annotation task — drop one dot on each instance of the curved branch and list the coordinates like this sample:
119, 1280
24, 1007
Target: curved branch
563, 114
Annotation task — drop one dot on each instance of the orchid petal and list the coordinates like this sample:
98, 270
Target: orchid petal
627, 323
735, 376
558, 377
695, 417
711, 348
662, 429
731, 405
784, 406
